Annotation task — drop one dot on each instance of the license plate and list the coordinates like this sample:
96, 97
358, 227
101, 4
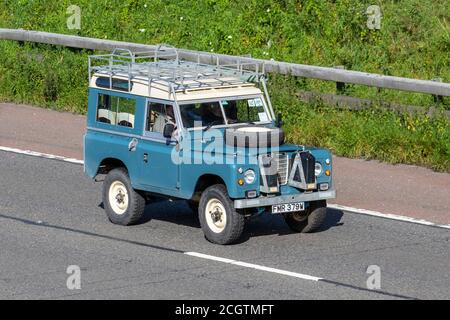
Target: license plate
288, 207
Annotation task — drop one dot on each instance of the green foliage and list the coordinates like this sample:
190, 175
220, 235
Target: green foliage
414, 41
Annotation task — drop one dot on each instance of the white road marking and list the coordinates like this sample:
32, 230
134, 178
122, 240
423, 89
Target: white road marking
333, 206
41, 155
254, 266
387, 216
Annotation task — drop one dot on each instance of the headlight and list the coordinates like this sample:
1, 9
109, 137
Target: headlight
249, 176
318, 169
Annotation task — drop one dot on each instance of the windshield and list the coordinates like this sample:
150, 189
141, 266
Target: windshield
226, 111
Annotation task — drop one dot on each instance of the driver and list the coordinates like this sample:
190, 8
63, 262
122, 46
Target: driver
230, 108
211, 112
165, 118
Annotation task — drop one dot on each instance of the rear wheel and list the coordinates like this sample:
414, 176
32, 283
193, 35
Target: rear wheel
123, 205
309, 220
220, 221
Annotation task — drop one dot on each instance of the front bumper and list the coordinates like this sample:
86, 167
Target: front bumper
264, 201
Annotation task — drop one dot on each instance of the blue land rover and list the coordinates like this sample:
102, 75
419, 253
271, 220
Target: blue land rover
206, 133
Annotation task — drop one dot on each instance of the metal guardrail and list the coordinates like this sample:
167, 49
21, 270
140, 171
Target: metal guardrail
352, 103
438, 89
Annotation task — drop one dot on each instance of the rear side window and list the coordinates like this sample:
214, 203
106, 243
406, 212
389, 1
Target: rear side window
116, 110
116, 84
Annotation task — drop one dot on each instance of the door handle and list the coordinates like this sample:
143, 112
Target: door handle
132, 145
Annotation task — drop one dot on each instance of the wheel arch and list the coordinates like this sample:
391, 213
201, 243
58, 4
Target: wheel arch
108, 164
204, 181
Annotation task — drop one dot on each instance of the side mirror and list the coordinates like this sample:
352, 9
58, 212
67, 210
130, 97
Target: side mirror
169, 128
279, 121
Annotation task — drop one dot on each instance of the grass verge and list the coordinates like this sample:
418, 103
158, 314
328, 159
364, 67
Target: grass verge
414, 41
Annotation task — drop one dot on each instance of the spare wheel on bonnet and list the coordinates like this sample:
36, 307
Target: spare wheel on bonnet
252, 136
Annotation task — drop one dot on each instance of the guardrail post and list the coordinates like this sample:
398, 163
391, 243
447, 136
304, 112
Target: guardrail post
340, 86
438, 99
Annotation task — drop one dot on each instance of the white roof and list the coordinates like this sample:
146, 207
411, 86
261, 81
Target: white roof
162, 75
160, 91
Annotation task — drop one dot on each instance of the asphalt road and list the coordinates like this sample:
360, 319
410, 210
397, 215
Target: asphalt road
362, 184
51, 217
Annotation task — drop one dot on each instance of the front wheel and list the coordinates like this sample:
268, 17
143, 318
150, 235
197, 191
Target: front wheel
309, 220
220, 221
123, 205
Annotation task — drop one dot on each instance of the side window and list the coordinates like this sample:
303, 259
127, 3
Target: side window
116, 110
104, 111
126, 109
158, 115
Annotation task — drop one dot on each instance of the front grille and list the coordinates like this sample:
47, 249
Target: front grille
308, 164
274, 171
302, 168
268, 164
283, 172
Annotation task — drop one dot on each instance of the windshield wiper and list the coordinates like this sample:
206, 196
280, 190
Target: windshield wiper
212, 123
219, 122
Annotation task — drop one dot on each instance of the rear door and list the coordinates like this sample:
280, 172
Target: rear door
113, 129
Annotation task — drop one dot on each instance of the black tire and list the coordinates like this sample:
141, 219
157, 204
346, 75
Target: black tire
309, 220
136, 202
234, 225
239, 137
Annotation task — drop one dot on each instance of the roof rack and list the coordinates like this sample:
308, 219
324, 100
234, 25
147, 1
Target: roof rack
162, 66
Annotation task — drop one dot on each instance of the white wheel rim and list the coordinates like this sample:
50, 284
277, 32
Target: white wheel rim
118, 197
215, 215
